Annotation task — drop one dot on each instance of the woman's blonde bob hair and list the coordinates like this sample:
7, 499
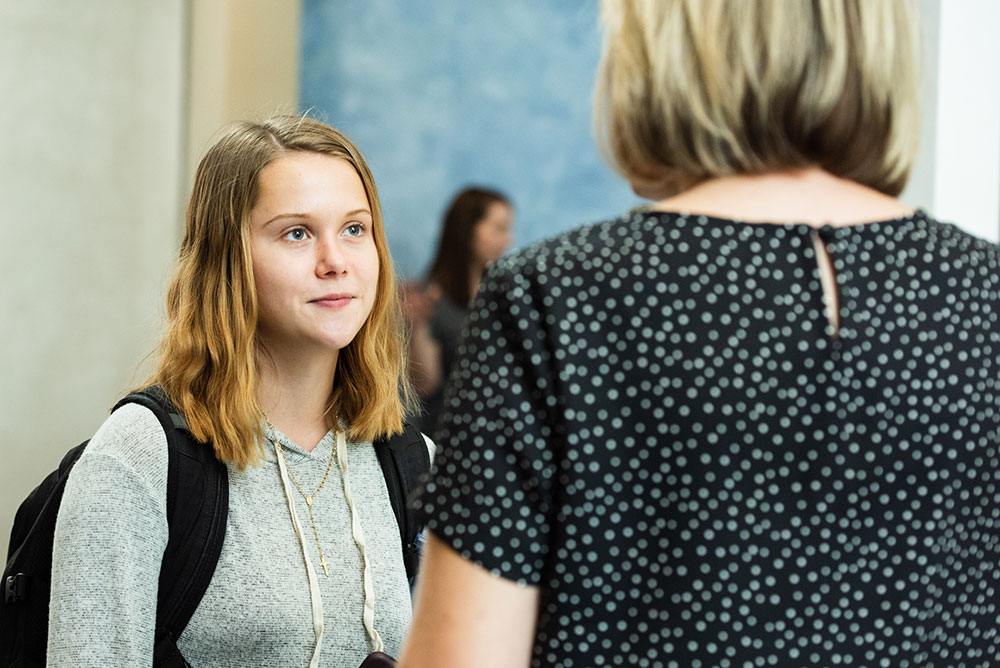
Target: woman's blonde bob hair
208, 355
690, 90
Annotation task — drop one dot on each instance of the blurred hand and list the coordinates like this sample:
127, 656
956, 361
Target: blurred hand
425, 352
418, 302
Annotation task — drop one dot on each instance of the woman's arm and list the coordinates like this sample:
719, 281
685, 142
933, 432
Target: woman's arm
465, 616
108, 545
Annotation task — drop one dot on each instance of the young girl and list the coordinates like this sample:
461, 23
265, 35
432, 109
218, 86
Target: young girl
283, 350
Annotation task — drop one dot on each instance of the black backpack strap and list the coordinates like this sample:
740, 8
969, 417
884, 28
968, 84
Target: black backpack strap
24, 608
37, 514
197, 510
404, 459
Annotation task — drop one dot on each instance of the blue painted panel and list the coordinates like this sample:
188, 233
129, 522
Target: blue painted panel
440, 94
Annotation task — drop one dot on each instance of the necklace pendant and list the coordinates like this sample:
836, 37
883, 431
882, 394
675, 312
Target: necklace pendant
324, 563
309, 501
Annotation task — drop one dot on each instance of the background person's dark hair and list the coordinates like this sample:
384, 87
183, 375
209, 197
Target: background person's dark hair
454, 263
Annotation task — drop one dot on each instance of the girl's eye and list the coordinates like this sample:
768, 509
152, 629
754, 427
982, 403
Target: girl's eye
355, 230
297, 234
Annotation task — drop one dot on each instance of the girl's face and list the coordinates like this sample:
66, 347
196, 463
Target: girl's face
491, 235
315, 264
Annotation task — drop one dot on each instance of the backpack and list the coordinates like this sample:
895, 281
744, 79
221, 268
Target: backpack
197, 510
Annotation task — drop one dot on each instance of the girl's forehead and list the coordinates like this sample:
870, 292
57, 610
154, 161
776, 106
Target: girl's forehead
309, 184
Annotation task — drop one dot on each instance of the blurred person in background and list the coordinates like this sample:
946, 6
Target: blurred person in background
756, 424
476, 231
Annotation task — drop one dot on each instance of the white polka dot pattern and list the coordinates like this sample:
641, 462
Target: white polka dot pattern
652, 420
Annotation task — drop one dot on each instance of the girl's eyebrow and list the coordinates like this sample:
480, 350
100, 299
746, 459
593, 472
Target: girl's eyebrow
280, 216
357, 211
348, 214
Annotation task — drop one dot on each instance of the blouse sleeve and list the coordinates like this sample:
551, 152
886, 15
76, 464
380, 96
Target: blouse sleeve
491, 495
109, 541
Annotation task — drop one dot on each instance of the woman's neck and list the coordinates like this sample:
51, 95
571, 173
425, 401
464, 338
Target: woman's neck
809, 195
293, 391
474, 280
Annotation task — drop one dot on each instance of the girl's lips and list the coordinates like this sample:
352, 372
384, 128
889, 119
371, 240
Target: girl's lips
332, 301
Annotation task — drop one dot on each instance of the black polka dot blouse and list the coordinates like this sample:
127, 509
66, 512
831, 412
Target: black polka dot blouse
653, 420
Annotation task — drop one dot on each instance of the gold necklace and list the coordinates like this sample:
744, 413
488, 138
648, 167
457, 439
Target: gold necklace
308, 497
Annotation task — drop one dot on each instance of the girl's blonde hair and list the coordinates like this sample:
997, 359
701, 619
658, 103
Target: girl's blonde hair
208, 355
689, 90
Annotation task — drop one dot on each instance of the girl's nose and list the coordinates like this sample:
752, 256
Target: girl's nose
329, 257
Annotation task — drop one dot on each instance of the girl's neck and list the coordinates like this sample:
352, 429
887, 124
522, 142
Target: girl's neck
294, 392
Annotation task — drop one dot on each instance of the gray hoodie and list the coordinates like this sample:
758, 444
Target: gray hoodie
112, 531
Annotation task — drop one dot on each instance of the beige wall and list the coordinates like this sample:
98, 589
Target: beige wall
106, 108
244, 64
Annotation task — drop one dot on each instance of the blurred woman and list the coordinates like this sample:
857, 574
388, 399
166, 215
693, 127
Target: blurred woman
284, 352
476, 232
756, 424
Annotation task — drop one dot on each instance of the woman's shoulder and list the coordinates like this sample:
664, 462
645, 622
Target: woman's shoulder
621, 232
549, 260
639, 228
129, 431
953, 235
131, 441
